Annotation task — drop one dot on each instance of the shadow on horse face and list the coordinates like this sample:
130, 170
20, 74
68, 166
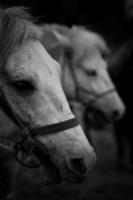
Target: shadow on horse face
31, 83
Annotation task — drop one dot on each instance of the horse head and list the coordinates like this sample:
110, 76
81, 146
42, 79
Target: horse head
85, 78
31, 88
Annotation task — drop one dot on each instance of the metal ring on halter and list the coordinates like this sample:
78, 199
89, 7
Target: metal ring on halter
30, 153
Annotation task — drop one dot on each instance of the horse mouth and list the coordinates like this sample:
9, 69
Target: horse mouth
95, 118
52, 171
56, 177
58, 174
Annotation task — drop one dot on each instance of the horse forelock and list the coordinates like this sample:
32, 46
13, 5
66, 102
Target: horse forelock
16, 27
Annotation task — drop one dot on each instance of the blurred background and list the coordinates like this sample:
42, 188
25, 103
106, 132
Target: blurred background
105, 16
110, 18
111, 179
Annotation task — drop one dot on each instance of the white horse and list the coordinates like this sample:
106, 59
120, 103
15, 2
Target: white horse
82, 55
31, 95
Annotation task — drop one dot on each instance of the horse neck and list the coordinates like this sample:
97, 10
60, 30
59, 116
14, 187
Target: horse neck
67, 79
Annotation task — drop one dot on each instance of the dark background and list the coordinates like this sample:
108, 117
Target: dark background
105, 16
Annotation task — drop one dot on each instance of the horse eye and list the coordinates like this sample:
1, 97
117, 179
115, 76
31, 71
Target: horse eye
91, 72
23, 86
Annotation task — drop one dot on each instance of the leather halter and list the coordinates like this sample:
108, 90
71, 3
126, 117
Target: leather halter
28, 143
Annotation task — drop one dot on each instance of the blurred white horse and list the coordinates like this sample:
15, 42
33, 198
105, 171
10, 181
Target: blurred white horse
84, 75
31, 95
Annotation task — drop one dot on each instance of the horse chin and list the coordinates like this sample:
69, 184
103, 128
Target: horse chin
56, 177
96, 119
52, 172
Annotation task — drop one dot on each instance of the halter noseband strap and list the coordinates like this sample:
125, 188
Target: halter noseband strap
53, 128
98, 96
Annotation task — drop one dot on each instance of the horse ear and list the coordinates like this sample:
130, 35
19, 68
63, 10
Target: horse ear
65, 44
49, 39
64, 40
55, 41
50, 42
56, 52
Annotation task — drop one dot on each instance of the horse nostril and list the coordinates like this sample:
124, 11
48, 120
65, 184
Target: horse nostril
116, 115
78, 166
